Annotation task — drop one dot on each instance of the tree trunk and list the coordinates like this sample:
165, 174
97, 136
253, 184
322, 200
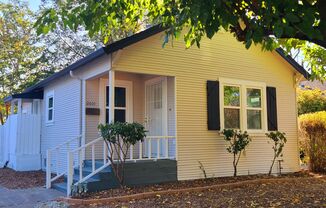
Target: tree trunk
270, 169
234, 165
1, 119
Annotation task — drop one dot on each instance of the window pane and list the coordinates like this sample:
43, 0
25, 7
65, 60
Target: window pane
119, 115
253, 97
254, 119
50, 115
50, 102
107, 116
119, 94
107, 95
120, 97
231, 118
231, 96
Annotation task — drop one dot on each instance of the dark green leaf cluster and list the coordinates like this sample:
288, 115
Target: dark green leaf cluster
279, 140
238, 140
130, 133
250, 21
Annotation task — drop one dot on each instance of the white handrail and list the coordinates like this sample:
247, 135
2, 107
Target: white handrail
157, 154
57, 148
87, 145
70, 158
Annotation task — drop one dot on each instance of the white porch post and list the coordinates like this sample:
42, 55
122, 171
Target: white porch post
20, 106
83, 117
111, 97
12, 107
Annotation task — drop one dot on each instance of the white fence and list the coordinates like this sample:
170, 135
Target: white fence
19, 139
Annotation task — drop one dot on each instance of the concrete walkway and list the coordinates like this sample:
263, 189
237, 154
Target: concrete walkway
26, 198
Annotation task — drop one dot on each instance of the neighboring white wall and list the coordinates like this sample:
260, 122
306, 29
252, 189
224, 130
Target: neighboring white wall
20, 142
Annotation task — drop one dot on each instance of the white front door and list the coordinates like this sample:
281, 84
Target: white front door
156, 113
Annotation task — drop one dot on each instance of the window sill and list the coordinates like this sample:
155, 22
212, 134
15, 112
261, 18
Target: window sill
253, 133
257, 134
49, 123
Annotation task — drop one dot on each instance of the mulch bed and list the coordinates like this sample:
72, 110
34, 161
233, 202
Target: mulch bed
182, 184
18, 180
293, 190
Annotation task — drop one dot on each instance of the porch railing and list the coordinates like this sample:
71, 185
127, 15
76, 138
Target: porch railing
150, 149
79, 151
54, 155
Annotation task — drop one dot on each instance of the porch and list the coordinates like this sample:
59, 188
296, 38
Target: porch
142, 98
145, 99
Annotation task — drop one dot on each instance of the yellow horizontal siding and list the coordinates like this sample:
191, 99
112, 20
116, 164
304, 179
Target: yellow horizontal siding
222, 56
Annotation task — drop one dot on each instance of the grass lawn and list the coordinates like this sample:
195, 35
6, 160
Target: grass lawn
285, 191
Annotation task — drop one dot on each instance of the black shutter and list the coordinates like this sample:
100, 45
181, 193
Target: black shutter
213, 105
271, 108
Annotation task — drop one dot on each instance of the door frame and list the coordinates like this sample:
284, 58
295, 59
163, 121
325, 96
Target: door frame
164, 113
164, 102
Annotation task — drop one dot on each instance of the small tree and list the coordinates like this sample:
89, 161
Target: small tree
279, 140
238, 142
118, 138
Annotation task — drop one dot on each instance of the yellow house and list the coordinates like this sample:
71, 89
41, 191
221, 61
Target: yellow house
183, 97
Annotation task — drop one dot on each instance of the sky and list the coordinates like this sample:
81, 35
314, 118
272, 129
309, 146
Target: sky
33, 4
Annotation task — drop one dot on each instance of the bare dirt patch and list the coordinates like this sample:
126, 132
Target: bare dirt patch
184, 184
288, 191
18, 180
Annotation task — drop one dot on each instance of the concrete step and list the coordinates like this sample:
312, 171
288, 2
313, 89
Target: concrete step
76, 178
60, 187
98, 163
88, 170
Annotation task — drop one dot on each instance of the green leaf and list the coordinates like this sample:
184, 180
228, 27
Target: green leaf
278, 30
248, 43
292, 17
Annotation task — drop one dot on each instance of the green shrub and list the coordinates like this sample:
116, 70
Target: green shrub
238, 141
119, 137
310, 101
279, 140
313, 139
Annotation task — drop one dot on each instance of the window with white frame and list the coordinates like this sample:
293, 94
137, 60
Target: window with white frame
242, 105
120, 104
49, 107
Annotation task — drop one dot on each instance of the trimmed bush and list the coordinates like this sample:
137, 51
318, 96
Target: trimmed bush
313, 139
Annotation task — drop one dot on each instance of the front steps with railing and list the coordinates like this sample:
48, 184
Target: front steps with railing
103, 180
137, 173
148, 162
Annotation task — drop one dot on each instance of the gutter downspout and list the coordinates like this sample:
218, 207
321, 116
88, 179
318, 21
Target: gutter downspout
81, 113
